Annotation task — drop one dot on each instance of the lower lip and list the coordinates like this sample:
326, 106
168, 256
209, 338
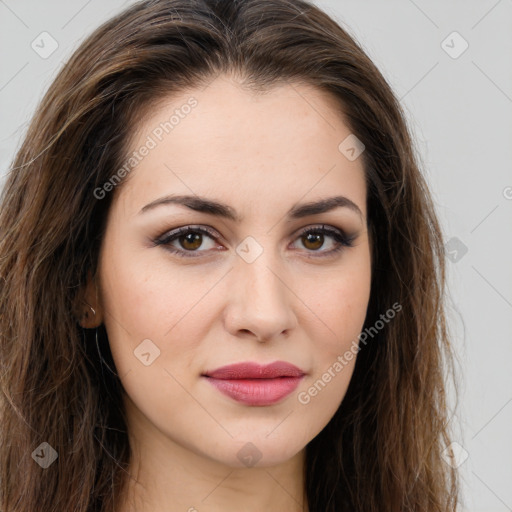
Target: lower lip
256, 391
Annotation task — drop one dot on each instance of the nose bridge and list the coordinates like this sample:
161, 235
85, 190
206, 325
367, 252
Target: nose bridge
267, 282
259, 269
262, 301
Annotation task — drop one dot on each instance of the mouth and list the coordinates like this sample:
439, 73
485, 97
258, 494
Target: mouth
254, 384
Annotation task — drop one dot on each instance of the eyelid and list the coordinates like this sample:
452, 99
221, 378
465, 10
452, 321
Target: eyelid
341, 237
175, 233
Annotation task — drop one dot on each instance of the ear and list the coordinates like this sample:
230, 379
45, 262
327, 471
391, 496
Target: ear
88, 309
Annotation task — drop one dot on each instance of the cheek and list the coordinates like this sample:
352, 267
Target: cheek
343, 314
147, 299
340, 309
340, 305
150, 334
343, 310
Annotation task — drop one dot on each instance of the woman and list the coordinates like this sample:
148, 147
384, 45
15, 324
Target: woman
222, 276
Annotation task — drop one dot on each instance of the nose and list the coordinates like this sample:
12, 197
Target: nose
261, 305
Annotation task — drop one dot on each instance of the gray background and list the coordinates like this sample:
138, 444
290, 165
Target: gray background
460, 110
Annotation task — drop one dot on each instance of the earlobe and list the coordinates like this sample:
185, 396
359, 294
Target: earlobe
88, 318
89, 312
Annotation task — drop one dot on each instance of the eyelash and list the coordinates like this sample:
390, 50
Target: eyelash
342, 240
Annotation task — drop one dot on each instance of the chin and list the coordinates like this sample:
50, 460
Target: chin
256, 451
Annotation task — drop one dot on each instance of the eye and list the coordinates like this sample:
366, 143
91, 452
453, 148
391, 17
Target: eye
190, 238
314, 239
186, 241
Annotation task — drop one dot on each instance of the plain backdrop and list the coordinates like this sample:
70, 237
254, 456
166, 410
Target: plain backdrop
450, 63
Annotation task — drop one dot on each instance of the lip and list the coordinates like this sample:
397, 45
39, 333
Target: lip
254, 384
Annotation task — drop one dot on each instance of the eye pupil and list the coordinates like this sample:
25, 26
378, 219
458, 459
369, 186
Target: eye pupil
314, 237
192, 238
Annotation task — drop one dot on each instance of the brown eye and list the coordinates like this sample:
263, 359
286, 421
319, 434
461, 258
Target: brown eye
324, 241
188, 241
191, 241
313, 241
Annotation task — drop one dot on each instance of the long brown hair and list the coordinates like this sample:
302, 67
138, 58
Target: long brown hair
382, 450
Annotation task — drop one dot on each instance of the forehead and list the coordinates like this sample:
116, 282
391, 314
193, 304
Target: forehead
223, 139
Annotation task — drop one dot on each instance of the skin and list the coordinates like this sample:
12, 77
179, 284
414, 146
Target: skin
261, 154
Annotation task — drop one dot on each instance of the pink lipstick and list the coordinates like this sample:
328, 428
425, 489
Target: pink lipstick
255, 384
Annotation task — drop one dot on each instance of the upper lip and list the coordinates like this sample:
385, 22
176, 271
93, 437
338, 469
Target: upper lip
252, 370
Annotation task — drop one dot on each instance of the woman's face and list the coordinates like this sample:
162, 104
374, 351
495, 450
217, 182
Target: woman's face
245, 284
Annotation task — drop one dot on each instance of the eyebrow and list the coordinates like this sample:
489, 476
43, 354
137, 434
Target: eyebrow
209, 206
